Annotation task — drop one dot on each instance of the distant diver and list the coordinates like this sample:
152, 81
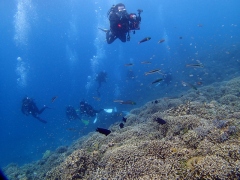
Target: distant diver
88, 110
29, 107
121, 23
100, 78
71, 113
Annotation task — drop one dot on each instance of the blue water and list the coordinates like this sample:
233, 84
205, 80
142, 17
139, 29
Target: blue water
54, 48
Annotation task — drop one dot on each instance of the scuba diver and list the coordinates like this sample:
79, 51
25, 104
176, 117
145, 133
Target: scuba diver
71, 113
29, 107
121, 23
101, 77
88, 110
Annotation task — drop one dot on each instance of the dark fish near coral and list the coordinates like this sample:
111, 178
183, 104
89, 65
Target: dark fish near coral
157, 80
54, 98
129, 64
146, 62
103, 131
124, 119
144, 40
161, 41
153, 71
195, 65
121, 125
160, 121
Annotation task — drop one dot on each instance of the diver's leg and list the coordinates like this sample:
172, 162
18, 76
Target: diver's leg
41, 110
122, 37
38, 118
41, 120
110, 37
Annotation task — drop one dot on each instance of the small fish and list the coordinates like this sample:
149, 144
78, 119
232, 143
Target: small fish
121, 125
54, 98
124, 119
71, 129
118, 101
157, 80
199, 83
161, 41
144, 40
188, 84
153, 71
146, 62
103, 131
195, 65
180, 37
160, 121
129, 64
128, 102
97, 98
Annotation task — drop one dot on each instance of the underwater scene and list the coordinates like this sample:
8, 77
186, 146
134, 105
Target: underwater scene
105, 89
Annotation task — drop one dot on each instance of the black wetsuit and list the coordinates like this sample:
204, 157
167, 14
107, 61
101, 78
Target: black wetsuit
88, 110
71, 113
119, 27
120, 24
29, 107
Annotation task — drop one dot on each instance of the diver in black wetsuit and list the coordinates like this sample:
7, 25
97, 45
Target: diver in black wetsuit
100, 78
71, 113
121, 23
87, 109
29, 107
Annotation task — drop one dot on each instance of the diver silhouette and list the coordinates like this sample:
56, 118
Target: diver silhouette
71, 113
100, 78
121, 23
87, 109
29, 107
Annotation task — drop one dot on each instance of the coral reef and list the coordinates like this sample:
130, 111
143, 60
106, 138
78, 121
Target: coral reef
200, 140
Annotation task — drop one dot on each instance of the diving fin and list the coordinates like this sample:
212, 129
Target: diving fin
95, 120
125, 113
108, 110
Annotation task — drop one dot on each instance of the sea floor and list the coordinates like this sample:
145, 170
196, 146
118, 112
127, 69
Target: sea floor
194, 136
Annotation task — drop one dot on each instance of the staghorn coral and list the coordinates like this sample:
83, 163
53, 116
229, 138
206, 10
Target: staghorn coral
78, 165
199, 141
213, 167
229, 99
